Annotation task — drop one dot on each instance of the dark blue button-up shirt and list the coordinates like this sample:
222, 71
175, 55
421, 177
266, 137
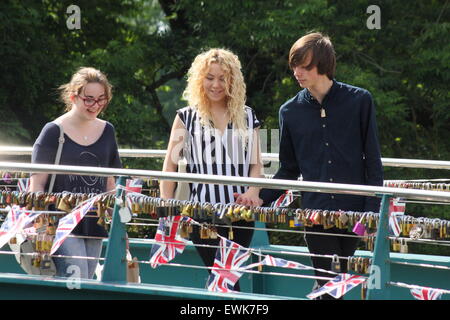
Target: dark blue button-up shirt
341, 147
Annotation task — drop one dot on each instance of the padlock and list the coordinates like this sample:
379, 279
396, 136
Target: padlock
249, 216
327, 220
230, 234
183, 230
243, 213
359, 227
416, 232
204, 232
167, 228
63, 204
371, 221
364, 290
335, 264
213, 232
36, 262
366, 265
46, 263
396, 245
38, 223
229, 213
350, 264
443, 229
403, 246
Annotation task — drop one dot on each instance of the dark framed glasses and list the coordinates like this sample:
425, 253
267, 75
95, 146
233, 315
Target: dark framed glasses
89, 102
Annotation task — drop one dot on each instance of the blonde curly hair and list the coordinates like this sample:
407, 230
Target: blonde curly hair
234, 86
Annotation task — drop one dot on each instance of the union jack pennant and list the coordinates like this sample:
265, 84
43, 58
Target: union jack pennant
278, 262
284, 200
23, 184
134, 185
69, 222
426, 293
395, 208
168, 242
15, 221
338, 286
229, 257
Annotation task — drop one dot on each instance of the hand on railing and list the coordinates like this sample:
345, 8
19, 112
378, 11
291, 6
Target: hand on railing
249, 198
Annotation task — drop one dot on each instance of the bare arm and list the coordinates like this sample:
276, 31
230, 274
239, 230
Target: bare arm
38, 181
251, 196
176, 143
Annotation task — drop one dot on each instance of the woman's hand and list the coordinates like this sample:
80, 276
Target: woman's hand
249, 198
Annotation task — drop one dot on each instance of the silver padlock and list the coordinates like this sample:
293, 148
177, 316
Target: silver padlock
335, 264
403, 246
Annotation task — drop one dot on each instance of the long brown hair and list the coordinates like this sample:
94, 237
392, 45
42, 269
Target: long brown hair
319, 48
80, 79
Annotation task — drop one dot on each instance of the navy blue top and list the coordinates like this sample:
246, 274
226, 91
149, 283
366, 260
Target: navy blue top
102, 153
341, 147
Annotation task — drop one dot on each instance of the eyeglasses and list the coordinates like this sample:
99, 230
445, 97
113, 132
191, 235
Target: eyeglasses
89, 102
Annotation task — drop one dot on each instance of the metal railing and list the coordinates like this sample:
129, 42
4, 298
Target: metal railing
115, 264
144, 153
324, 187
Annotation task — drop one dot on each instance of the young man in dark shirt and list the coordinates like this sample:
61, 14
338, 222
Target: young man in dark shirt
328, 134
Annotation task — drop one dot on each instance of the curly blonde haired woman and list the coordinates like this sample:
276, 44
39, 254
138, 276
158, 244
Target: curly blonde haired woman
217, 134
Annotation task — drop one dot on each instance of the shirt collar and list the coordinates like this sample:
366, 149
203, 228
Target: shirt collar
329, 94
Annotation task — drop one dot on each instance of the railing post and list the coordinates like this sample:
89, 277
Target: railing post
260, 238
380, 271
115, 266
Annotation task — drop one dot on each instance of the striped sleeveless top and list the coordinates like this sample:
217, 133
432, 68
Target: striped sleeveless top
208, 151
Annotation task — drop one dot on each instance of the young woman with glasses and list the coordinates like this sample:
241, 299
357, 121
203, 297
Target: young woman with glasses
88, 141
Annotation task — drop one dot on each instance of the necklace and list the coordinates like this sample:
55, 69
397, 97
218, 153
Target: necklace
85, 138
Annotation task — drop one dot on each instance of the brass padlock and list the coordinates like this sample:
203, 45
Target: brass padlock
230, 234
396, 245
183, 231
213, 233
64, 205
364, 290
204, 232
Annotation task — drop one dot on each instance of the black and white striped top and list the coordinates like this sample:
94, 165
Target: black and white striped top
207, 151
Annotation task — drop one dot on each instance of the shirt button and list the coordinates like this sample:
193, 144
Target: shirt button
324, 125
331, 179
332, 197
326, 143
329, 161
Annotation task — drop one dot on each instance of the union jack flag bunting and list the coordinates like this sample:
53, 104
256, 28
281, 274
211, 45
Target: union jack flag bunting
69, 222
168, 242
284, 200
134, 185
23, 184
338, 286
229, 256
426, 293
278, 262
15, 221
395, 208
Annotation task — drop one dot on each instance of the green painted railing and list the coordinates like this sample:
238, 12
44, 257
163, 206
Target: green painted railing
256, 285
